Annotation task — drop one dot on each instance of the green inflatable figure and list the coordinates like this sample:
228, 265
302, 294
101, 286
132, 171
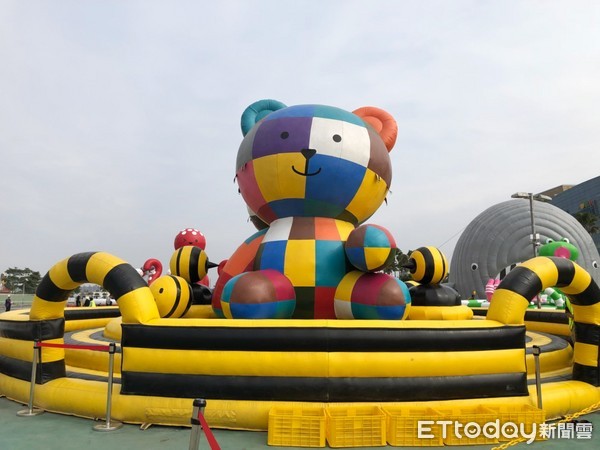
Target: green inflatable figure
562, 249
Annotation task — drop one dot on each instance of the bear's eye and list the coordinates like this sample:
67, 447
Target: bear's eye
337, 138
285, 135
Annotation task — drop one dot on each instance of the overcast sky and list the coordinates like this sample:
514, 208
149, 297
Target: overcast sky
119, 120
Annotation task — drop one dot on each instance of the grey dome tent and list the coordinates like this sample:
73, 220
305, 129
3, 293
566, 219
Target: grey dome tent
499, 238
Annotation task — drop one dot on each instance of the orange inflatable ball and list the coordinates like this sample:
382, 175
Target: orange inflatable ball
172, 294
189, 262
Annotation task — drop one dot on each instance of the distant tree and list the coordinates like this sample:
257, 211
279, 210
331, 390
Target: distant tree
588, 221
21, 280
396, 268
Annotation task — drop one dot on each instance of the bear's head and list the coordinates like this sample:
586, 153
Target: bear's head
314, 161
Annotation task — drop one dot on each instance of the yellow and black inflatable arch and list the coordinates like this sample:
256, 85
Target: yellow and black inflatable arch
522, 284
47, 315
124, 283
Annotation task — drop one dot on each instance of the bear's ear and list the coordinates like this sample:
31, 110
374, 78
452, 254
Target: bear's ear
382, 122
258, 111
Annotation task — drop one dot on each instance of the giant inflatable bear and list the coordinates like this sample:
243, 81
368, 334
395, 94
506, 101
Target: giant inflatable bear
314, 174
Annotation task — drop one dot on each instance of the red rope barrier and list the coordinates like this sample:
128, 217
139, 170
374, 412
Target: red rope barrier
210, 437
98, 348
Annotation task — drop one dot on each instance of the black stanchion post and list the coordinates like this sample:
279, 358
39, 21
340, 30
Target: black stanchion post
538, 379
108, 425
198, 408
31, 411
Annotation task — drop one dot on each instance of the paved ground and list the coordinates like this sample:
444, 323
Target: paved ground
50, 431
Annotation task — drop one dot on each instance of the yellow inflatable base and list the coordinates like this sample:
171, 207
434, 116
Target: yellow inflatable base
555, 363
113, 330
88, 399
459, 312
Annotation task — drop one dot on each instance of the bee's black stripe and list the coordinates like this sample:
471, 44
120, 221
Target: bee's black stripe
177, 297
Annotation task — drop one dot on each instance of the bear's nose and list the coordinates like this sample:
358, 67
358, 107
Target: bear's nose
308, 153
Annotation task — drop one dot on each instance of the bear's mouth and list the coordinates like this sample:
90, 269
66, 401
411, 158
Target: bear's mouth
307, 153
305, 173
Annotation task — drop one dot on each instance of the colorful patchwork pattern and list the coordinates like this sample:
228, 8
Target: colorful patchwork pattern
313, 160
363, 295
311, 173
370, 248
242, 260
258, 295
309, 251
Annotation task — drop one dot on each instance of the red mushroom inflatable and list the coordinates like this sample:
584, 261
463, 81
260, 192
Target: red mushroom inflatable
192, 236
